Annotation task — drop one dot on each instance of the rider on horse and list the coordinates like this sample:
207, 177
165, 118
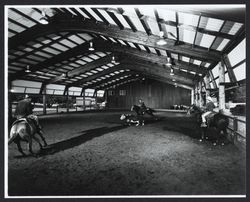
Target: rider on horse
142, 106
24, 110
208, 110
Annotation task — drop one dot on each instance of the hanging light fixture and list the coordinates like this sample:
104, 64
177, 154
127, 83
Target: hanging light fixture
175, 85
173, 80
27, 70
114, 61
169, 64
161, 41
171, 72
91, 48
44, 19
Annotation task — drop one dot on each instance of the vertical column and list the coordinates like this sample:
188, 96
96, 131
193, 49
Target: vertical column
44, 103
67, 101
200, 94
195, 95
83, 95
207, 85
221, 86
192, 96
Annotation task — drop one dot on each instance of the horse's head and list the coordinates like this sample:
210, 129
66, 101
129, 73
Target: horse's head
123, 116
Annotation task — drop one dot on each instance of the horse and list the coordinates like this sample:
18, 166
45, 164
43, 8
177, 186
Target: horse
140, 112
131, 119
24, 129
218, 121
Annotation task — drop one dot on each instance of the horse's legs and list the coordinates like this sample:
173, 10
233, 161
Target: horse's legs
20, 148
41, 134
30, 145
203, 132
38, 141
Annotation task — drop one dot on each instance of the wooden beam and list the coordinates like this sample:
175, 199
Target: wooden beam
140, 66
222, 87
84, 68
229, 68
117, 76
143, 21
164, 80
108, 86
238, 38
102, 45
158, 70
77, 25
98, 75
164, 75
81, 49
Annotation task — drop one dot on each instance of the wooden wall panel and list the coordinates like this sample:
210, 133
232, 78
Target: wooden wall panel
155, 95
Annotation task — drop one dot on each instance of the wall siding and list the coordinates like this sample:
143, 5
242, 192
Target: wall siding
154, 94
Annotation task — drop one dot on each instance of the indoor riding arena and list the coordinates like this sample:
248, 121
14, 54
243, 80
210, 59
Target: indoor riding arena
125, 101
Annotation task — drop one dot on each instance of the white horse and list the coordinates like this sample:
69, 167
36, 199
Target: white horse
23, 130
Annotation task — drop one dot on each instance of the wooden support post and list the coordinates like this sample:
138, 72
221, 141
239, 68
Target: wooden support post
196, 94
44, 103
229, 68
83, 95
106, 98
192, 96
207, 85
221, 86
67, 102
200, 94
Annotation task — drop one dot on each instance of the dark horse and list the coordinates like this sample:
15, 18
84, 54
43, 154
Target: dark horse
140, 112
218, 121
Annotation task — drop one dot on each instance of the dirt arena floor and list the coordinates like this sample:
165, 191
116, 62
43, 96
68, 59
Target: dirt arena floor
95, 154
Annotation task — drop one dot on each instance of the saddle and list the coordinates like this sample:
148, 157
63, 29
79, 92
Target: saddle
20, 120
29, 121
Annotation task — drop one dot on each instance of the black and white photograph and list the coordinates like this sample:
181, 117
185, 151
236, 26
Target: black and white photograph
125, 101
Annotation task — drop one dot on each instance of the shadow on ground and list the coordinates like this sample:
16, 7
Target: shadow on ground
76, 141
188, 126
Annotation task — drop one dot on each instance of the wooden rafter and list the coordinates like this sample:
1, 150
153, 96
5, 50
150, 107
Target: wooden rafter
116, 76
56, 59
87, 67
148, 56
112, 31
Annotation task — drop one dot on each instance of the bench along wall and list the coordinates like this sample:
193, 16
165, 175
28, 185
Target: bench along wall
154, 94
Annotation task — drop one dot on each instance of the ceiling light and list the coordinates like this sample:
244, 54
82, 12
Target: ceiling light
91, 48
171, 72
161, 41
173, 80
44, 19
27, 70
113, 60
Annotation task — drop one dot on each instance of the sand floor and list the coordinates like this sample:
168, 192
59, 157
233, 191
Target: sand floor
95, 154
